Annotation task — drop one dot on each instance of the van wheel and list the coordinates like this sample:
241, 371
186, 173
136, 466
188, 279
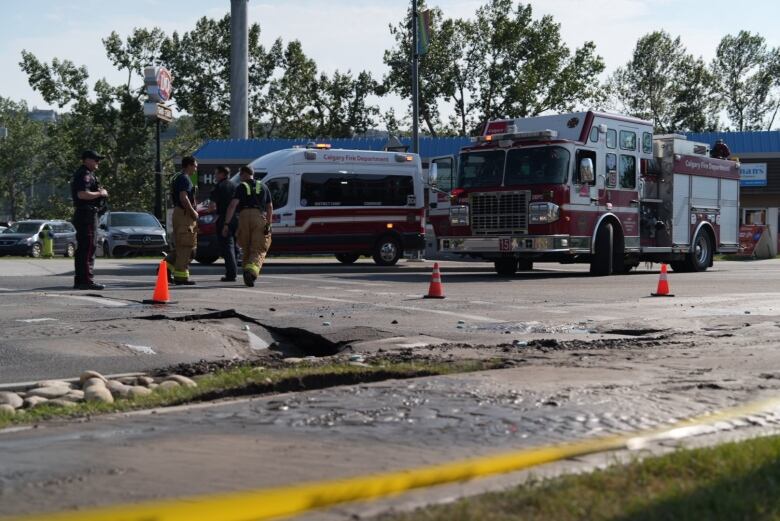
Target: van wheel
601, 263
106, 250
347, 258
70, 251
387, 251
35, 251
505, 267
207, 259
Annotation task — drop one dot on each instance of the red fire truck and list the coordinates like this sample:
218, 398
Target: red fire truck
587, 187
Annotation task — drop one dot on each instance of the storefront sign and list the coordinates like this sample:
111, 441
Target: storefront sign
752, 174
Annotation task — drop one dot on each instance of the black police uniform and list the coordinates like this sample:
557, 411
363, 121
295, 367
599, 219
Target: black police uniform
85, 219
222, 195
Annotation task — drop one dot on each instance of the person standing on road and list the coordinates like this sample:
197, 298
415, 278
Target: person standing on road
185, 223
220, 201
88, 198
253, 202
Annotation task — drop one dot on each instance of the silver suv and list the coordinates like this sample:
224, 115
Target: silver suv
122, 234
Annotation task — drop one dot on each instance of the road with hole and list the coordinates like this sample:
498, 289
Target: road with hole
587, 356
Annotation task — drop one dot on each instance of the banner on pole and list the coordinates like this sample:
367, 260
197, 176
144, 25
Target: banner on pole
423, 31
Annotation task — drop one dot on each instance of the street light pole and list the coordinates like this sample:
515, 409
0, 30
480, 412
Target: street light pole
415, 83
158, 178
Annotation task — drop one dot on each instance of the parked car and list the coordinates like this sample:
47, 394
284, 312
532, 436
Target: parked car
22, 238
122, 234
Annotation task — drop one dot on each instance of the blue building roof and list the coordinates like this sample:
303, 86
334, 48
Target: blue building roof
246, 150
250, 149
754, 142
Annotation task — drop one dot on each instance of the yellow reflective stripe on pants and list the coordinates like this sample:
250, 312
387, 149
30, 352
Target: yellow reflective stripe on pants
181, 274
252, 268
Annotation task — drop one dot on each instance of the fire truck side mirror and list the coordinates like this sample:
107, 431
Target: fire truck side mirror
433, 174
586, 170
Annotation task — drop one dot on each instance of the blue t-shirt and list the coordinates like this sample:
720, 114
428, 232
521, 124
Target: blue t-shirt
182, 183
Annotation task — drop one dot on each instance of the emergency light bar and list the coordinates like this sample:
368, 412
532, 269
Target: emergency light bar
535, 135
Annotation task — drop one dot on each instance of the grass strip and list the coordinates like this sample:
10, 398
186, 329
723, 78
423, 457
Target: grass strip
732, 481
248, 380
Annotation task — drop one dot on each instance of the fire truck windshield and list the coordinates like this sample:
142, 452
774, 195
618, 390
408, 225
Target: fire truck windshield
484, 168
534, 166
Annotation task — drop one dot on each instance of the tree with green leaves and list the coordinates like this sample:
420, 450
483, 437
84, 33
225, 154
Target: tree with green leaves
748, 73
433, 67
109, 119
502, 63
527, 69
199, 61
21, 162
666, 85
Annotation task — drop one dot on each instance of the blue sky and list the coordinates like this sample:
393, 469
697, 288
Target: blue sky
352, 34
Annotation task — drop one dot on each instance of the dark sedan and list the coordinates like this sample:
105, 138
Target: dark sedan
22, 238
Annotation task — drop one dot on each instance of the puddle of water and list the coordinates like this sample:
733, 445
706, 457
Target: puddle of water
141, 349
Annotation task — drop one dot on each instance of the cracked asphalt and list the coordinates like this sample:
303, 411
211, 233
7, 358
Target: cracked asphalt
587, 356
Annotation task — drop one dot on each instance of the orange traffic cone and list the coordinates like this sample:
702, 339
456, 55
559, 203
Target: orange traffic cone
161, 295
435, 290
663, 285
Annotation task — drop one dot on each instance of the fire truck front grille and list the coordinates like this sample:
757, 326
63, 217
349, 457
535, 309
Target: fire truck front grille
499, 212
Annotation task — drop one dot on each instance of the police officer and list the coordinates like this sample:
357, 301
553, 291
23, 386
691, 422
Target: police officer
185, 223
253, 202
88, 198
220, 201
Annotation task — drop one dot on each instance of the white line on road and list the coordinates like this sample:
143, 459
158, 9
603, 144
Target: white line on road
97, 300
476, 318
321, 280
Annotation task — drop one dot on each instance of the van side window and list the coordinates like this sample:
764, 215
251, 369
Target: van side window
594, 134
334, 189
612, 138
627, 171
280, 189
582, 154
627, 140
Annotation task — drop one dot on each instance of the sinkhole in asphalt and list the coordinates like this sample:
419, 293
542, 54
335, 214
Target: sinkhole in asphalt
303, 340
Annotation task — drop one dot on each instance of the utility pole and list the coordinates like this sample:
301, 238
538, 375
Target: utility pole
158, 211
239, 70
415, 83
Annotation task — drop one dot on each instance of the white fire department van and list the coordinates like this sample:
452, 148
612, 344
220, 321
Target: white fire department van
345, 202
587, 187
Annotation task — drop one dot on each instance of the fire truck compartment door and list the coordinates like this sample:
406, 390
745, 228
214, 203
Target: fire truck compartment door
681, 229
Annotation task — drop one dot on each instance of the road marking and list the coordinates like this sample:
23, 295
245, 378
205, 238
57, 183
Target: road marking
97, 300
476, 318
321, 280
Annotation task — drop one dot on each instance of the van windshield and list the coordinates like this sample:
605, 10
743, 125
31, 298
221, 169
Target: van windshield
535, 166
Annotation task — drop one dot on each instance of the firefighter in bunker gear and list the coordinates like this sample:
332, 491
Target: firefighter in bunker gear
253, 202
47, 242
185, 223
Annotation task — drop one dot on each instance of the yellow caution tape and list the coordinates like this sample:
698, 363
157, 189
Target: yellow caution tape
284, 501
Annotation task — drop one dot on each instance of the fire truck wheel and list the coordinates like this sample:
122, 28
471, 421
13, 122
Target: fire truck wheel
505, 267
525, 265
601, 262
347, 258
387, 251
700, 256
